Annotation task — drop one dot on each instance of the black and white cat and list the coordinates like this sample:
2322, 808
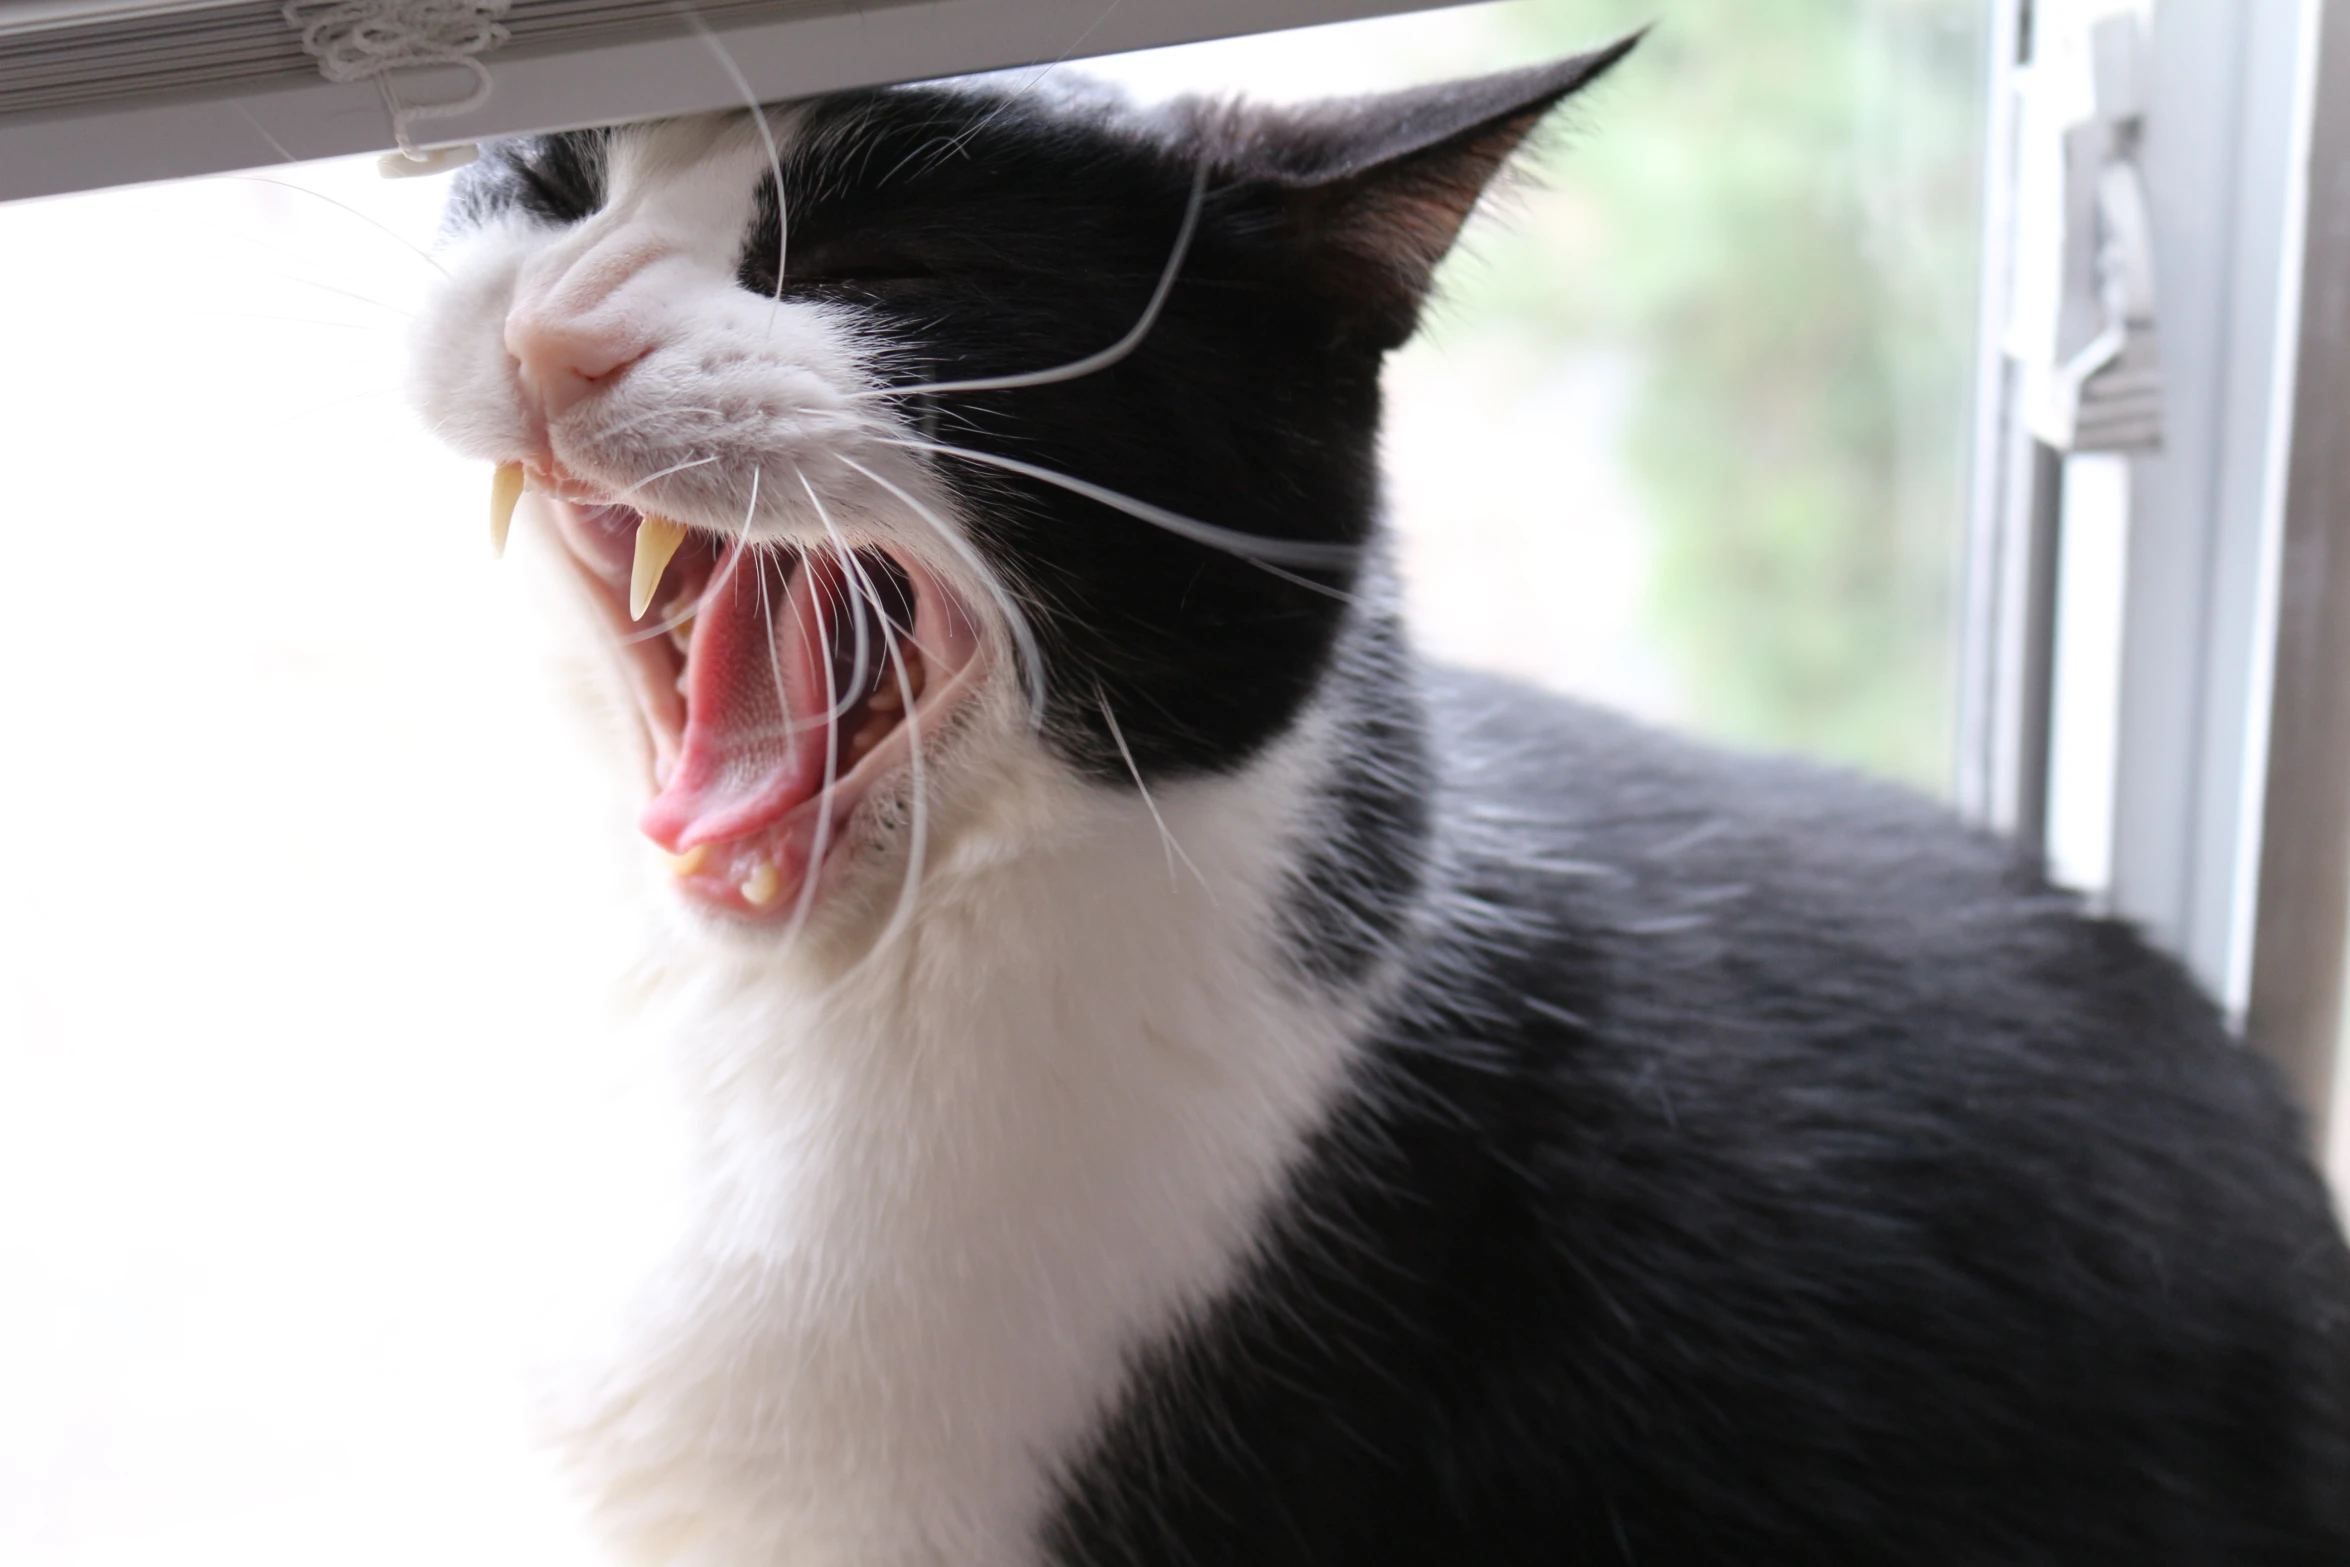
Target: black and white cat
1173, 1078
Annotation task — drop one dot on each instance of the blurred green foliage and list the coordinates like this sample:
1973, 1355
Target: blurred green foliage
1774, 208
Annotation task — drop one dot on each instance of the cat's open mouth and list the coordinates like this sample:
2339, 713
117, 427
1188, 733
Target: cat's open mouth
780, 687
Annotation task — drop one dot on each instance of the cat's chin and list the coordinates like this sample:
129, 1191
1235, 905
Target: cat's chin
784, 687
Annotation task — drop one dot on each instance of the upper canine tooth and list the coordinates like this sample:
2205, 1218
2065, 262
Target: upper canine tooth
505, 491
657, 539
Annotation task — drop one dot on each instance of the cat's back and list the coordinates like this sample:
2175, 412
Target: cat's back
1871, 1167
1730, 896
1755, 1166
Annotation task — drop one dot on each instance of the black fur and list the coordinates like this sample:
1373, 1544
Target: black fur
1746, 1165
1755, 1168
555, 179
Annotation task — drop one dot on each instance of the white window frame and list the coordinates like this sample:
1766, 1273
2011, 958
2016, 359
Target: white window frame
639, 76
2185, 750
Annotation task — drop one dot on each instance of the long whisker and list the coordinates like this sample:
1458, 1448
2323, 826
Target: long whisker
823, 839
955, 144
838, 705
850, 566
262, 130
742, 547
833, 701
917, 806
1092, 363
1016, 624
334, 405
750, 97
651, 415
299, 281
1264, 552
419, 251
1175, 850
663, 473
257, 315
815, 861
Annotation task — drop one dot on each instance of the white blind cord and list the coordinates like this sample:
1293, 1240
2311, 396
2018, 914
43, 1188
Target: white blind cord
367, 40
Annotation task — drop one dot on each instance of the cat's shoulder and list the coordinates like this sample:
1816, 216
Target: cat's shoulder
1729, 886
1661, 808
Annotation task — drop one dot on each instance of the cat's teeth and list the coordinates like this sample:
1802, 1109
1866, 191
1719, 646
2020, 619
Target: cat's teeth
692, 860
764, 884
657, 539
505, 492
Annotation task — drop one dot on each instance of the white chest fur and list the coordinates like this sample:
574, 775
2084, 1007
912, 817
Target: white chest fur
932, 1217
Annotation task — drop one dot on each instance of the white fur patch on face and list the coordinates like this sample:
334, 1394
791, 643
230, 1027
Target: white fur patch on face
713, 405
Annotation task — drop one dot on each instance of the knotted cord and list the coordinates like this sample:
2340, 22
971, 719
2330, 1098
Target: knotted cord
367, 40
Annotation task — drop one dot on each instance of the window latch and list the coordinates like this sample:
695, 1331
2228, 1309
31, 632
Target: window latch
2084, 327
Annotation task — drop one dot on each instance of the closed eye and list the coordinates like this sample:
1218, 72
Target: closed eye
562, 176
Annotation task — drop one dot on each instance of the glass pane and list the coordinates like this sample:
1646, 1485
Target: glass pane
1688, 432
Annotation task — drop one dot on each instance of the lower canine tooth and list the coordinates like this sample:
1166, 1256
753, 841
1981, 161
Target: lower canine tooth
505, 491
691, 861
657, 539
764, 884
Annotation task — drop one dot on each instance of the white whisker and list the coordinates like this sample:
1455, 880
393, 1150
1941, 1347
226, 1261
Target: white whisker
299, 281
420, 253
1016, 624
1174, 850
917, 807
956, 142
651, 415
849, 566
750, 97
822, 842
256, 315
1091, 363
663, 473
742, 547
1267, 553
262, 131
834, 701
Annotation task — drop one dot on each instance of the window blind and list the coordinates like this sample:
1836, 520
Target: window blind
109, 92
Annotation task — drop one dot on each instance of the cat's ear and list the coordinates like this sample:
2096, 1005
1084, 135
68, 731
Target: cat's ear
1373, 191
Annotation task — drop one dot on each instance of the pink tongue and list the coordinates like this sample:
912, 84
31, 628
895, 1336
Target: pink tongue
755, 727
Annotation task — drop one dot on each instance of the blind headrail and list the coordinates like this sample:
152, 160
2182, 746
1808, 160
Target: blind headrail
103, 92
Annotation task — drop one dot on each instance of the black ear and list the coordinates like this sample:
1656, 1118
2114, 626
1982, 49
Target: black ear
1373, 191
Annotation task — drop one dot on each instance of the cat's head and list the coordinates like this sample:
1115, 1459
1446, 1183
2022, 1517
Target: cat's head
1020, 436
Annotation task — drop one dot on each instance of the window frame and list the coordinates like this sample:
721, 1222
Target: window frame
2219, 815
608, 80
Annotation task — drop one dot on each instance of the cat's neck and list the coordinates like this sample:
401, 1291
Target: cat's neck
919, 1187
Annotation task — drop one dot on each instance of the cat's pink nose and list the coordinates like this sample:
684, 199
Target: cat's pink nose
563, 358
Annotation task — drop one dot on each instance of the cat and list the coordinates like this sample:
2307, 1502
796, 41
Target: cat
1174, 1077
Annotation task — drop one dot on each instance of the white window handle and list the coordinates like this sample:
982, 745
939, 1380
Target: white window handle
2084, 327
